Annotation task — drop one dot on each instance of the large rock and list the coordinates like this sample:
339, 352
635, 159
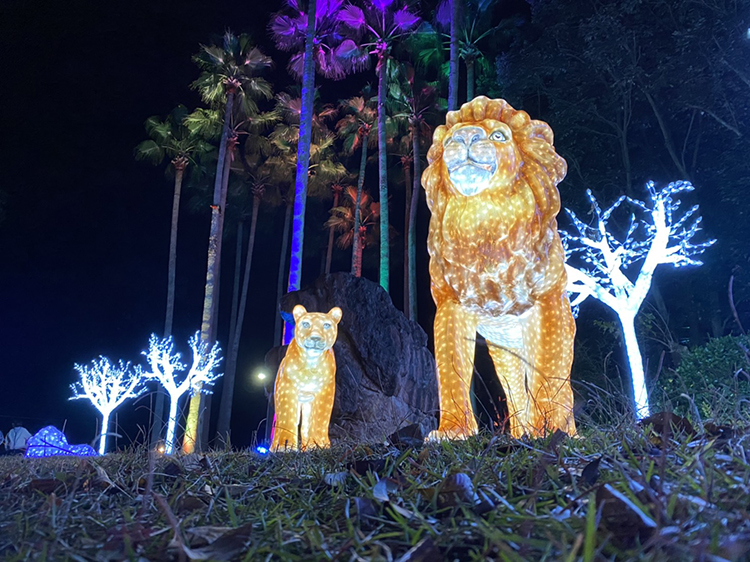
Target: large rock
385, 375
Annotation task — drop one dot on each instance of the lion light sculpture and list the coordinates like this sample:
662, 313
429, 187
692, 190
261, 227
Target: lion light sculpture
497, 267
306, 382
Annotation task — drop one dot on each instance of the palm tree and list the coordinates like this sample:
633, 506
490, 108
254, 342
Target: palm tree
337, 189
342, 220
467, 32
319, 31
229, 79
356, 129
383, 22
170, 139
412, 102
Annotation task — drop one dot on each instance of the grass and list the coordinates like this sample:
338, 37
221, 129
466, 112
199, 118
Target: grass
620, 492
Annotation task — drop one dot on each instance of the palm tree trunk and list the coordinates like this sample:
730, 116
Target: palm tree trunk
383, 172
407, 212
358, 255
303, 160
329, 253
277, 329
161, 396
453, 69
412, 232
236, 281
189, 441
225, 409
356, 243
470, 79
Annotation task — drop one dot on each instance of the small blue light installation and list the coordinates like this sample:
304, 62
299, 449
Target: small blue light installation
51, 442
261, 450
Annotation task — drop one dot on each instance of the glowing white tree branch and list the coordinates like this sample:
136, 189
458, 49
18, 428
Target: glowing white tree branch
107, 386
165, 365
659, 238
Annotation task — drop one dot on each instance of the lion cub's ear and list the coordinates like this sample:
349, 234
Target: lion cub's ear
335, 313
298, 311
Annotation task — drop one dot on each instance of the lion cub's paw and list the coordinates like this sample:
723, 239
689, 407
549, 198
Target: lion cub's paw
451, 433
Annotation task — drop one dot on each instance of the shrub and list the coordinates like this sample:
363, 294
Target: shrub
714, 375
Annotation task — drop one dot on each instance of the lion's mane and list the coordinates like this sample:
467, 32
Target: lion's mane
501, 271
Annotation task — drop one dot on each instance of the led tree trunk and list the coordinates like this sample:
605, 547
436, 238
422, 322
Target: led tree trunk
660, 237
303, 161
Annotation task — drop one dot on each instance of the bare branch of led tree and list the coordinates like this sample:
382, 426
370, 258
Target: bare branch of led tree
107, 386
167, 368
662, 234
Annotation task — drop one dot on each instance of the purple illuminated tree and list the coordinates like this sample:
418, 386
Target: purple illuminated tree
315, 33
382, 23
228, 80
662, 236
166, 367
107, 386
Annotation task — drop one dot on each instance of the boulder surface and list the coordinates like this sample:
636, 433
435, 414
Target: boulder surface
385, 374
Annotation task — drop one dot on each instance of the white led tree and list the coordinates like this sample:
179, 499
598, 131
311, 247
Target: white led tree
661, 235
107, 386
166, 368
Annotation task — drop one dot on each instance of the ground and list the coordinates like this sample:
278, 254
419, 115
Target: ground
621, 492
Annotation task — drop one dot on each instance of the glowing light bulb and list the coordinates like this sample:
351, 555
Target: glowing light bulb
261, 450
261, 376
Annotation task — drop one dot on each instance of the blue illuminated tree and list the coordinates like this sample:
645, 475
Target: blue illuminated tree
662, 236
315, 33
107, 386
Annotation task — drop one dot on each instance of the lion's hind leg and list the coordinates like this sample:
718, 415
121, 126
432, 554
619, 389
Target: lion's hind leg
455, 338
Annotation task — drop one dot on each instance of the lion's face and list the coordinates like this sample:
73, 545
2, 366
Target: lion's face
315, 332
480, 156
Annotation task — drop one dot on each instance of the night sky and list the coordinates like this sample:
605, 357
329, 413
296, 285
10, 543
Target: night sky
85, 235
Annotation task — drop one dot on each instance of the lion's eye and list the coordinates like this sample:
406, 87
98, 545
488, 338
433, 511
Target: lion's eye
305, 324
448, 141
327, 325
498, 136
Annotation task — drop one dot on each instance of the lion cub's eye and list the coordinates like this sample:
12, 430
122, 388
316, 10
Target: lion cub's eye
448, 141
327, 325
498, 136
305, 324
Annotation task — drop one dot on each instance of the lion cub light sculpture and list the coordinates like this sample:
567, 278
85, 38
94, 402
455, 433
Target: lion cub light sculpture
497, 266
306, 382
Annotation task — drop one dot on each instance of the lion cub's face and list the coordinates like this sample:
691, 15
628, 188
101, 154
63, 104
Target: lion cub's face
480, 156
315, 332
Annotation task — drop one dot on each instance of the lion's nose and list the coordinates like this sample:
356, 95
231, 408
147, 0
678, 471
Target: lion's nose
315, 338
469, 135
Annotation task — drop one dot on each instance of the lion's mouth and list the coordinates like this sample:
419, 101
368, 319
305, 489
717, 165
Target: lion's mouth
319, 345
489, 168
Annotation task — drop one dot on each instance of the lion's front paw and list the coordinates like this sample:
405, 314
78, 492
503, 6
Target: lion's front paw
455, 432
